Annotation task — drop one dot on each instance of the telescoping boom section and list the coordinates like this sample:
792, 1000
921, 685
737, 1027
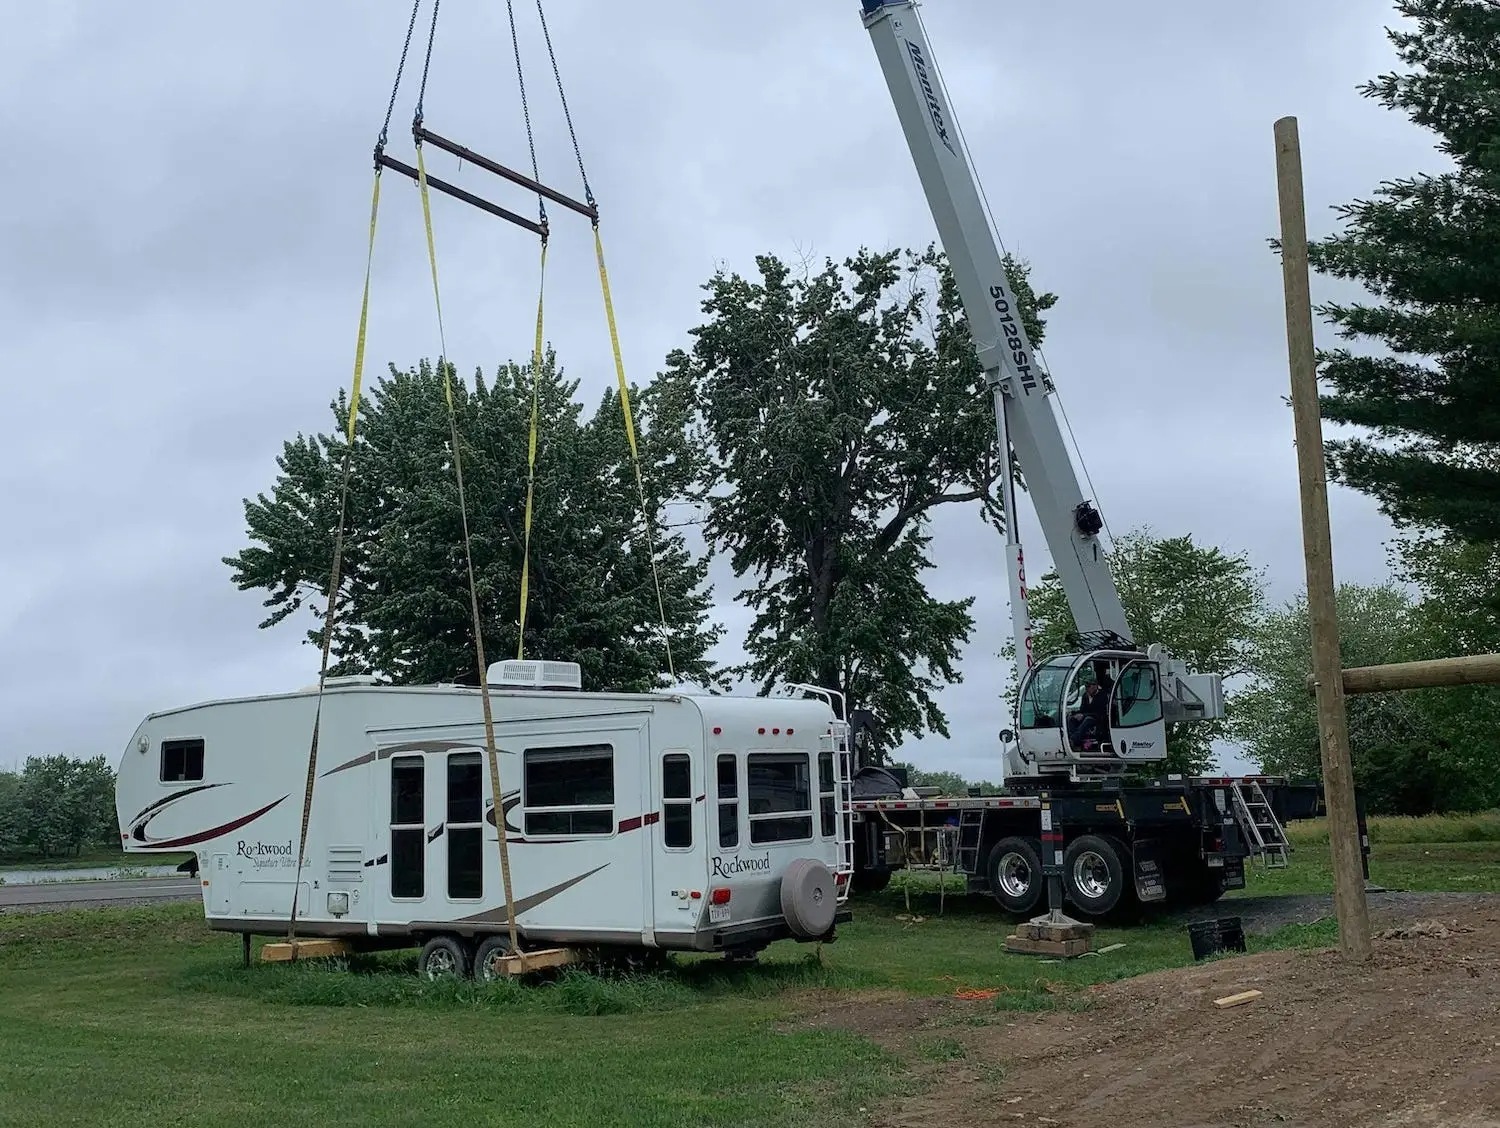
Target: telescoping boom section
1061, 724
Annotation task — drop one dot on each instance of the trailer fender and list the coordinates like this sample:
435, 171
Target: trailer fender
1149, 870
809, 898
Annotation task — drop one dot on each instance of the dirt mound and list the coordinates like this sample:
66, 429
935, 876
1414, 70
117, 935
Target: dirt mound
1413, 1038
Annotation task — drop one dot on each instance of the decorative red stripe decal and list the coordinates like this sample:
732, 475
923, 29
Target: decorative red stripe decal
648, 819
193, 839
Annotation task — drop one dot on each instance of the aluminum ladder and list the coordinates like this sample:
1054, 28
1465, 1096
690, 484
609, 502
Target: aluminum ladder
970, 827
1252, 810
836, 742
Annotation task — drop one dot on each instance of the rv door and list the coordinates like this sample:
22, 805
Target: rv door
678, 845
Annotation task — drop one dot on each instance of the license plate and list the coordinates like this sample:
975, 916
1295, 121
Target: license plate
718, 914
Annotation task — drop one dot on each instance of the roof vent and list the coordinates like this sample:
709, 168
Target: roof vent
516, 673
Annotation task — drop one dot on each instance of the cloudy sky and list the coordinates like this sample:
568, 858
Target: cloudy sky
184, 227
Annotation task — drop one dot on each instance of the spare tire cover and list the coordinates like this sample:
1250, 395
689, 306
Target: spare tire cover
808, 897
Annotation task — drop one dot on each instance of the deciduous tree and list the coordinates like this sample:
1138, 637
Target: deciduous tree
1413, 752
404, 608
838, 410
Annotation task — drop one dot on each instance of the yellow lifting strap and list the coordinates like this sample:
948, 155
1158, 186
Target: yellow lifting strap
338, 559
635, 459
491, 752
536, 376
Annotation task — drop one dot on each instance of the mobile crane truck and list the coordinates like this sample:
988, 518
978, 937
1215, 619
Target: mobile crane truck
1126, 838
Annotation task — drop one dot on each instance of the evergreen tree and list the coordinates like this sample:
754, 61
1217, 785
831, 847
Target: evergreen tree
1429, 246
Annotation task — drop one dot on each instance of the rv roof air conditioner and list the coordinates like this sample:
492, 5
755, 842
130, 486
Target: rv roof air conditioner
518, 674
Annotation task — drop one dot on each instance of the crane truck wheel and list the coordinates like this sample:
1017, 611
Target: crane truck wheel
1094, 876
1014, 872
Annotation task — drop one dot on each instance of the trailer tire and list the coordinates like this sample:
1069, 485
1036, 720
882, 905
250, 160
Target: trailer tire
1094, 877
1014, 873
443, 956
809, 898
489, 948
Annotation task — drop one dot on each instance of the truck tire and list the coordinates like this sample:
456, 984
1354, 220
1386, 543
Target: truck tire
809, 898
1094, 876
1014, 873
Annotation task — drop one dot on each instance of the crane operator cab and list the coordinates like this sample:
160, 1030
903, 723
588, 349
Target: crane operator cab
1099, 711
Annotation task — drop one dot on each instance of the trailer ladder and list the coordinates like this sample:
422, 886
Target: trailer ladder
836, 741
1252, 810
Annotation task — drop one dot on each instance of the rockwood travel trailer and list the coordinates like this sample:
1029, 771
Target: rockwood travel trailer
657, 820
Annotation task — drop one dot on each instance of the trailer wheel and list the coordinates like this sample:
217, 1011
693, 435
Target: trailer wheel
1014, 872
1093, 874
809, 898
489, 948
443, 956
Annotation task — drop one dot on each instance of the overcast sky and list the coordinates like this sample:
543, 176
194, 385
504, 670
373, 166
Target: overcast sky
184, 227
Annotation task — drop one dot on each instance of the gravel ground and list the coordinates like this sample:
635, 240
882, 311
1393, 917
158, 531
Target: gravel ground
1260, 915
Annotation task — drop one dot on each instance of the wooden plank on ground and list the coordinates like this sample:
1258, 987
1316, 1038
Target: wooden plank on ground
1027, 946
522, 962
309, 949
1236, 999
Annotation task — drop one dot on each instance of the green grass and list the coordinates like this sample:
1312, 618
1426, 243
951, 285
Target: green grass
124, 1016
1384, 830
1417, 862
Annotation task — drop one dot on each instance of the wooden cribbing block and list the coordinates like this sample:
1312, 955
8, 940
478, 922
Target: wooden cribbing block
1236, 1000
523, 962
1075, 931
310, 949
1027, 946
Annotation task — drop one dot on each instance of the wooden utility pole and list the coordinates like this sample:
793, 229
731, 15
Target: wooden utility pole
1333, 729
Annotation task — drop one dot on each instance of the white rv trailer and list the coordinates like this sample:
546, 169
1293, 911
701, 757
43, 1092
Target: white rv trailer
656, 820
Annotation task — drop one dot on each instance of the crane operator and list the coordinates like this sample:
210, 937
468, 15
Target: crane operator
1088, 723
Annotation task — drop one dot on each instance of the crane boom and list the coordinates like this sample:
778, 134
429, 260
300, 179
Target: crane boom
1062, 724
1022, 393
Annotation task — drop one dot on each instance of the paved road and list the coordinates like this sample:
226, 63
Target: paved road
93, 894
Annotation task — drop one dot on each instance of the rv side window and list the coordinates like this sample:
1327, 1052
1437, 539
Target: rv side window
729, 807
570, 790
464, 832
826, 805
677, 800
780, 796
181, 761
408, 834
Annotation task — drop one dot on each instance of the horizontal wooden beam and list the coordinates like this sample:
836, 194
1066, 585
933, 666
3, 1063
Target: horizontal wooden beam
312, 948
1469, 669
